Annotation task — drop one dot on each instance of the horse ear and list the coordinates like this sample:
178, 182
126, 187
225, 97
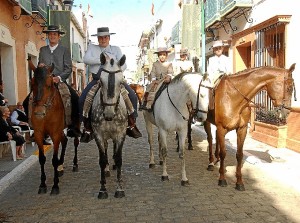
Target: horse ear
102, 59
292, 68
205, 76
122, 60
31, 65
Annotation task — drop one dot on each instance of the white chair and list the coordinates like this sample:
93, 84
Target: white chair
12, 145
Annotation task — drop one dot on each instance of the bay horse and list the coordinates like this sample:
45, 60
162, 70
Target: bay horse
48, 118
139, 91
109, 120
232, 110
171, 113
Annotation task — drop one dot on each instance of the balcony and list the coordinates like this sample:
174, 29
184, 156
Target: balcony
219, 13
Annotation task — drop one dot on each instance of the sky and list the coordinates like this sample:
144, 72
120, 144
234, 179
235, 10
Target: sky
127, 18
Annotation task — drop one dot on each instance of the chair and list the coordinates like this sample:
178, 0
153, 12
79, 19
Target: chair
12, 145
23, 133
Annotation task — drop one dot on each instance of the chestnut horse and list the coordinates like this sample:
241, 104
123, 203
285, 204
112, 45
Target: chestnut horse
48, 118
232, 109
139, 91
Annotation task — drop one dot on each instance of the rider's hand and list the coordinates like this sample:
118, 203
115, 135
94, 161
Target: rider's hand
56, 79
167, 79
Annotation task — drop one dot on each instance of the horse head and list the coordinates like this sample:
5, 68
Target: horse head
201, 110
281, 89
111, 79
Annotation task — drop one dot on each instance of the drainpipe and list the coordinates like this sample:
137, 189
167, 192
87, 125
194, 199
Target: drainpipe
203, 37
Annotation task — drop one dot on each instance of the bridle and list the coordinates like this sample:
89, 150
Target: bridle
46, 105
285, 90
194, 110
105, 104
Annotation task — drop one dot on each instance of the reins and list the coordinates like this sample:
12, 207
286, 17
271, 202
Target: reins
197, 102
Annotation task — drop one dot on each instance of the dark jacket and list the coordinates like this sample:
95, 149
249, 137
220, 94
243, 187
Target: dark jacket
4, 129
61, 58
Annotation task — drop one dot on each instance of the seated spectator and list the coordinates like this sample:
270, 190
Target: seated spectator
7, 132
3, 100
19, 117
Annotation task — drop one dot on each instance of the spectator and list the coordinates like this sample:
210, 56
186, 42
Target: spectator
7, 132
19, 117
3, 100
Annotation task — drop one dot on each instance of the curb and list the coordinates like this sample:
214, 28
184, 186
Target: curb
13, 175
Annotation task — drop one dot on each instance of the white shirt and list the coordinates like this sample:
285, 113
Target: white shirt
217, 66
183, 66
92, 56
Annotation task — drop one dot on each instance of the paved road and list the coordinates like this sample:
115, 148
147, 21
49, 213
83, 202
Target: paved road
267, 198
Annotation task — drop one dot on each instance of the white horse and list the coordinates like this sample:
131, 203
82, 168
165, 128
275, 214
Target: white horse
109, 120
170, 113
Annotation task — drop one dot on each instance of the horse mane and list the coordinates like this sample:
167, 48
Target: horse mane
181, 75
40, 75
253, 69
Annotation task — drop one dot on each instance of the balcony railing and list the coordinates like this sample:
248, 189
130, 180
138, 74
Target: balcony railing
218, 13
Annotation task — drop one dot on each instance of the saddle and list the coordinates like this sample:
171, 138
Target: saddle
90, 98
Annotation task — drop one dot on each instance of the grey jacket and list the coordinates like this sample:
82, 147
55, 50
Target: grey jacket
61, 57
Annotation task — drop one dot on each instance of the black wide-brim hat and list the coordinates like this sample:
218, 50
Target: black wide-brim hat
53, 28
103, 31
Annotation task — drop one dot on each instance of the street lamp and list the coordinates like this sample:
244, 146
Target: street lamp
68, 4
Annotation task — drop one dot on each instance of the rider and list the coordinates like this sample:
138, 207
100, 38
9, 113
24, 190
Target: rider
161, 70
92, 58
60, 56
218, 65
183, 65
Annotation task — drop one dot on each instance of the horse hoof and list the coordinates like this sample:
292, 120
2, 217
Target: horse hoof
151, 166
240, 187
164, 178
75, 168
185, 183
54, 191
60, 173
114, 167
222, 183
42, 190
161, 162
190, 148
119, 194
210, 168
102, 195
107, 173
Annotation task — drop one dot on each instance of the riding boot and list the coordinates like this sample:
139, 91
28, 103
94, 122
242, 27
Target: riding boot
144, 105
132, 130
87, 134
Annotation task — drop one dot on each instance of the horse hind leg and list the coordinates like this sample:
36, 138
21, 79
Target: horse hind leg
163, 154
207, 129
75, 159
181, 140
61, 161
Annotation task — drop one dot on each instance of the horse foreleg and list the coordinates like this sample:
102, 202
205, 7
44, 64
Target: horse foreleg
189, 133
61, 161
181, 140
118, 162
102, 163
75, 159
221, 140
42, 161
149, 128
55, 161
163, 153
241, 135
207, 129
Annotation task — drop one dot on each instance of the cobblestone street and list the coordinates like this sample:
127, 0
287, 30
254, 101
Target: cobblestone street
148, 199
